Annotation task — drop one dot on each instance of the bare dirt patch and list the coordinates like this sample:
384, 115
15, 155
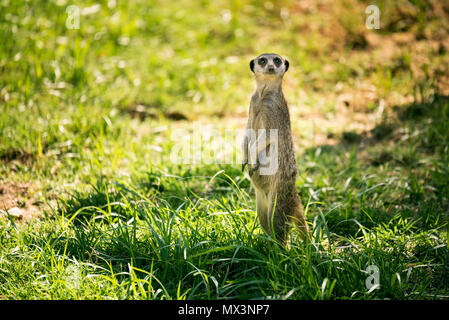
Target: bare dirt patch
20, 200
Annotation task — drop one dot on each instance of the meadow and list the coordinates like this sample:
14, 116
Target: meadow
93, 207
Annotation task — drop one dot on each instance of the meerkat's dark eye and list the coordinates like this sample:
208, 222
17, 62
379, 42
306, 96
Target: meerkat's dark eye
262, 61
277, 62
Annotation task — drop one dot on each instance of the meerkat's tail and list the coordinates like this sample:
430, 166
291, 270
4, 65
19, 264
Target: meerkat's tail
299, 220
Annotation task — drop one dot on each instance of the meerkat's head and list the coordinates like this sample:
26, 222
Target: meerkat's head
269, 65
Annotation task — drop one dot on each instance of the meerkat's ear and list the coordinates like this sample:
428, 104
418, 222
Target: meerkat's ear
287, 64
251, 65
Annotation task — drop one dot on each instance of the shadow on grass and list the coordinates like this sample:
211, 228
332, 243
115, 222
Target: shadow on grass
400, 168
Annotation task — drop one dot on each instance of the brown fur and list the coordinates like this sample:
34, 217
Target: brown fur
277, 201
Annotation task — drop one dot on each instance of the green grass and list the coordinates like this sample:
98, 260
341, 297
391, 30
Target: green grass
119, 220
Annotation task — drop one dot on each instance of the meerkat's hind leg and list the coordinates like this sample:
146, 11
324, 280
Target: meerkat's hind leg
287, 212
262, 208
278, 220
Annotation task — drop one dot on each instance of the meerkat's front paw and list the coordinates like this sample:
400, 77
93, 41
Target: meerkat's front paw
253, 169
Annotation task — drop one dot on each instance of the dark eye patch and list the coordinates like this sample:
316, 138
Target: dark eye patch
262, 61
277, 62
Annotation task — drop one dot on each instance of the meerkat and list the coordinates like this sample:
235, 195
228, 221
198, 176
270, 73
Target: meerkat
277, 201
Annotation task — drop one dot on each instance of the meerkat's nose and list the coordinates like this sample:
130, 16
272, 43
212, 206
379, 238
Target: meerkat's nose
270, 68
